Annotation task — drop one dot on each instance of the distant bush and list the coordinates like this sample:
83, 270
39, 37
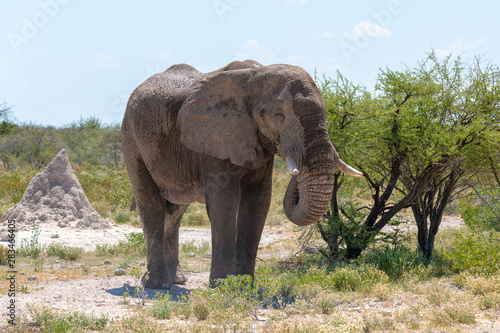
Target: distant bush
134, 243
63, 251
4, 252
476, 253
481, 216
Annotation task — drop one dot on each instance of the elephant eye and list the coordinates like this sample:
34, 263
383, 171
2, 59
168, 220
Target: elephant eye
280, 116
262, 112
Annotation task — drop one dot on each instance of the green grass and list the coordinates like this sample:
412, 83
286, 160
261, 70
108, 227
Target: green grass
63, 251
50, 320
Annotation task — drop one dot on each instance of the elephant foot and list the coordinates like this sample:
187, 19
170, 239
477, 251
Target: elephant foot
155, 283
180, 276
180, 279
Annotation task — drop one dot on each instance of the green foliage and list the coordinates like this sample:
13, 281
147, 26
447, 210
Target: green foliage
63, 251
7, 128
346, 279
421, 124
134, 243
475, 252
4, 255
162, 307
109, 185
233, 295
50, 320
87, 141
32, 247
344, 232
13, 184
394, 261
191, 248
481, 217
122, 217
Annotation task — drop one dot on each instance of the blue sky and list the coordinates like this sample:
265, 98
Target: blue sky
62, 59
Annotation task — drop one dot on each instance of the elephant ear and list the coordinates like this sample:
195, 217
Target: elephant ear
215, 119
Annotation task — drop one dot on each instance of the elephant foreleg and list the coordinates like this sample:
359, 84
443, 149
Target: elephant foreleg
222, 196
254, 206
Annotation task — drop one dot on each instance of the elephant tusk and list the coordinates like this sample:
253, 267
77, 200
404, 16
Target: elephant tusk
291, 166
348, 170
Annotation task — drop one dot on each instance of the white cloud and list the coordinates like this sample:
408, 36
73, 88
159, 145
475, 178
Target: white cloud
458, 47
328, 34
476, 44
330, 65
369, 29
254, 50
103, 61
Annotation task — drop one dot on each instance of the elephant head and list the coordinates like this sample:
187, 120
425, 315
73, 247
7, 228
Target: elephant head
246, 110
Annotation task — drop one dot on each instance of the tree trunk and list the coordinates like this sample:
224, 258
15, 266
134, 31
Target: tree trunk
429, 208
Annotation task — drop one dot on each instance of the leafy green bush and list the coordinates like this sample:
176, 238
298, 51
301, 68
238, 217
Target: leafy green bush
50, 320
162, 307
394, 260
63, 251
122, 217
32, 247
477, 253
234, 295
134, 243
481, 217
4, 255
346, 279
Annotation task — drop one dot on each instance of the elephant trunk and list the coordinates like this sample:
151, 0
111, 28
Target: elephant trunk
309, 192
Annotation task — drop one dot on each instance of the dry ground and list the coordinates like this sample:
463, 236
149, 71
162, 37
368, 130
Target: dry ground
64, 287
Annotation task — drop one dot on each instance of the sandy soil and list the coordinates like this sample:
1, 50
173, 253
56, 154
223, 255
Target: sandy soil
103, 295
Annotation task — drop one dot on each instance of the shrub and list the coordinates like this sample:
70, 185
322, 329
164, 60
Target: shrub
476, 253
481, 217
63, 251
162, 307
122, 217
346, 279
4, 255
32, 247
50, 320
394, 260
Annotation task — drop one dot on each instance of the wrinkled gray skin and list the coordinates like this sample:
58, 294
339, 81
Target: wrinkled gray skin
211, 138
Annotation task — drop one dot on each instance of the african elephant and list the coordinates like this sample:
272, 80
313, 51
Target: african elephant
211, 138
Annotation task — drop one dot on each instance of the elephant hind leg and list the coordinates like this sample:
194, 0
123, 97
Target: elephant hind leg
171, 242
152, 210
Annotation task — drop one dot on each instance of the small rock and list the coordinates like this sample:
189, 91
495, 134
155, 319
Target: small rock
54, 236
107, 262
142, 264
32, 278
62, 224
310, 249
120, 272
57, 261
191, 254
4, 236
279, 231
285, 221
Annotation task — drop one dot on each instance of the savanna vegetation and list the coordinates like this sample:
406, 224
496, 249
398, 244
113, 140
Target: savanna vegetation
426, 138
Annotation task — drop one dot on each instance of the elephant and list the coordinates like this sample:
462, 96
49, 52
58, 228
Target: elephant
211, 138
